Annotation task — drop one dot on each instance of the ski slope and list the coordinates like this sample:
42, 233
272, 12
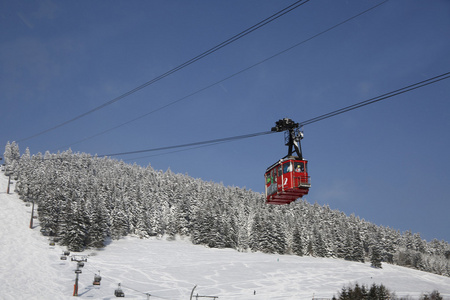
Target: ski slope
31, 269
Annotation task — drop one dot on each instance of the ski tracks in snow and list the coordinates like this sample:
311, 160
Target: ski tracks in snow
26, 270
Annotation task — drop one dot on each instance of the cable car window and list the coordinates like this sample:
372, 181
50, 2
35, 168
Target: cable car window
287, 167
270, 176
280, 170
299, 167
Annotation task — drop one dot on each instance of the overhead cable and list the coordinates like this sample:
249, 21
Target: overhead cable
377, 99
307, 122
233, 138
226, 78
183, 65
175, 151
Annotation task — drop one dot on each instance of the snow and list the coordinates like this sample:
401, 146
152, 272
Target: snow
31, 269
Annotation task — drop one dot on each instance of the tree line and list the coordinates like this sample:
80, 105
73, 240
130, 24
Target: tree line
377, 292
83, 201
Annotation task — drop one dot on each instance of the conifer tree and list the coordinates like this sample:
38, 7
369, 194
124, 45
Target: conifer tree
119, 224
348, 248
435, 295
320, 248
256, 232
297, 244
310, 248
11, 157
357, 249
97, 230
266, 237
375, 259
75, 236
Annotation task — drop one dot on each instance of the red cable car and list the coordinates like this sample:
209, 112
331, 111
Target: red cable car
287, 179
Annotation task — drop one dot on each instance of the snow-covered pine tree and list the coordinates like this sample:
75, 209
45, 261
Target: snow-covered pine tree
297, 243
375, 259
357, 248
320, 248
256, 232
23, 174
97, 230
75, 233
119, 221
11, 157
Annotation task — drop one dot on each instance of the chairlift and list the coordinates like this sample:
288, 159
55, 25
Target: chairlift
27, 204
97, 279
66, 253
52, 243
63, 257
118, 292
80, 264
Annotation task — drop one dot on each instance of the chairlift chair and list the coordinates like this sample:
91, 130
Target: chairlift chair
118, 292
97, 279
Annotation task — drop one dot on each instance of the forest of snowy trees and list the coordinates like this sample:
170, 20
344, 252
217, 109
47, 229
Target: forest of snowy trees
82, 201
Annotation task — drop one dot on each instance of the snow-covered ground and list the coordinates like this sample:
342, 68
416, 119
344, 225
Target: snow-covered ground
31, 269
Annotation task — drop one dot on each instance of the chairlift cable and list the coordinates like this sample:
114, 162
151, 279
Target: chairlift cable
115, 281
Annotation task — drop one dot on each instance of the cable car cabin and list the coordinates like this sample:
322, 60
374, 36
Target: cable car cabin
287, 180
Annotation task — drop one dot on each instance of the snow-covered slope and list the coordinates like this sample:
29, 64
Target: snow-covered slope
31, 269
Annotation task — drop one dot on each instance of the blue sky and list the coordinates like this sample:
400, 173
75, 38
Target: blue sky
387, 162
